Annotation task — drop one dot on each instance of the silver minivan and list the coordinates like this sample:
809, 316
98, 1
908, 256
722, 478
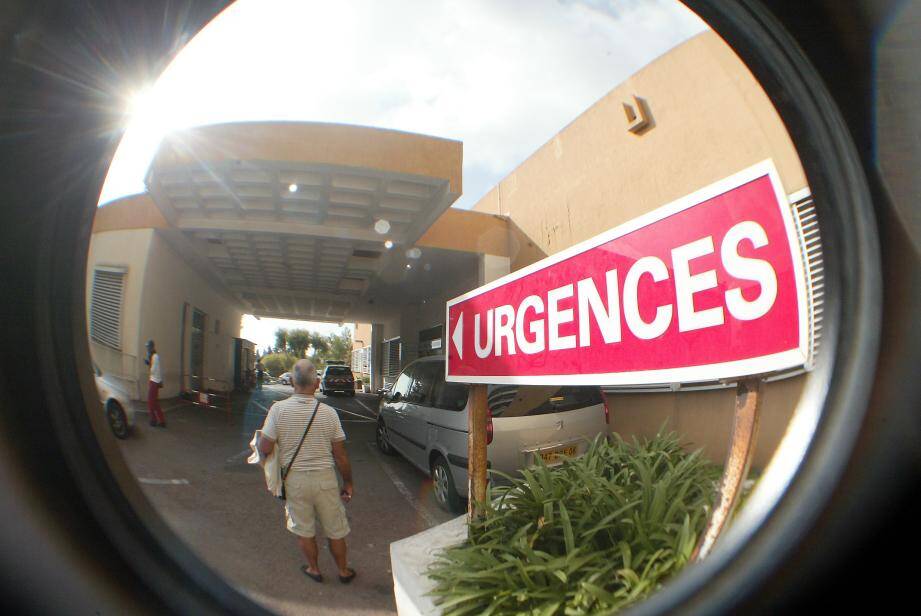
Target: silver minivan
424, 418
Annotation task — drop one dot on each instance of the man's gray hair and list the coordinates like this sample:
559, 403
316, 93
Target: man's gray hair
305, 374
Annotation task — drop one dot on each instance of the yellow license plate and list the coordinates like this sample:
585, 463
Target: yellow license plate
555, 455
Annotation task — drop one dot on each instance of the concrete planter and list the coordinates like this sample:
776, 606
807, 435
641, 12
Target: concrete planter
410, 558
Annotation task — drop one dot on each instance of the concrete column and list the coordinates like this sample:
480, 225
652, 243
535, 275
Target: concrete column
491, 267
377, 356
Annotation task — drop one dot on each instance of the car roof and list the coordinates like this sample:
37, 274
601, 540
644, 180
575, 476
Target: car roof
431, 358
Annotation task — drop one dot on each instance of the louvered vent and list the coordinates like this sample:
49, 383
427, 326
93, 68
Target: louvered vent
106, 307
392, 358
807, 226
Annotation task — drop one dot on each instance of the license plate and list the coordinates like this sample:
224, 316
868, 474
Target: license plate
555, 455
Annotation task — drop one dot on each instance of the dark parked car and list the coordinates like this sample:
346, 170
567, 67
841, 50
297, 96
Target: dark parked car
337, 378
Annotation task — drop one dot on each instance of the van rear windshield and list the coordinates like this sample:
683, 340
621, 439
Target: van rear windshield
339, 371
527, 400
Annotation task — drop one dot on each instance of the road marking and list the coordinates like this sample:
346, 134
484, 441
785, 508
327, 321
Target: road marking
364, 417
370, 410
163, 482
401, 487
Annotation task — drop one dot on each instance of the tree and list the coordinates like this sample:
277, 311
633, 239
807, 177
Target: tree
339, 346
281, 340
319, 344
302, 343
298, 342
277, 363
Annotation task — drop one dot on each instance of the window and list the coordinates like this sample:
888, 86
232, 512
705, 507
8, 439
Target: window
106, 306
449, 396
338, 371
402, 385
425, 374
524, 400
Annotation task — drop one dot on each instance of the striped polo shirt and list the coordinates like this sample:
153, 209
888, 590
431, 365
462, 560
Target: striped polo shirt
286, 422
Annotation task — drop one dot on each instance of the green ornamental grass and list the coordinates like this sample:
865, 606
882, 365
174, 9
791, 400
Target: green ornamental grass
588, 536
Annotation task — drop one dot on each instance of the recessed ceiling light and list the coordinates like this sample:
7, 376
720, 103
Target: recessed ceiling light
413, 253
409, 266
292, 187
382, 226
388, 244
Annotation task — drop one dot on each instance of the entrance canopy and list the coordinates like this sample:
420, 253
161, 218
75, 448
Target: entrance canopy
293, 218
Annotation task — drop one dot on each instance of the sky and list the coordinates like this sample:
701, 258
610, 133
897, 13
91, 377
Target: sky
503, 77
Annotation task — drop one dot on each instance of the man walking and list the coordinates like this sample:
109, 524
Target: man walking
311, 486
154, 383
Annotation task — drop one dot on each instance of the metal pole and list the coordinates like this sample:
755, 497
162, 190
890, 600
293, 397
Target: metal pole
738, 460
476, 448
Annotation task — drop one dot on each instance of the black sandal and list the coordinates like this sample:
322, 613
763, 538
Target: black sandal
345, 579
316, 577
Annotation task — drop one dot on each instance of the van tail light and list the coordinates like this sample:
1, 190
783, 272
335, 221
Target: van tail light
488, 426
607, 411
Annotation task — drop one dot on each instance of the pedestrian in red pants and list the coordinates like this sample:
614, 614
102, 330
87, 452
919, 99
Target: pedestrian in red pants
154, 383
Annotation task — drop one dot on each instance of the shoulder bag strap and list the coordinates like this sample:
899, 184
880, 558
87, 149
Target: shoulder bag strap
284, 473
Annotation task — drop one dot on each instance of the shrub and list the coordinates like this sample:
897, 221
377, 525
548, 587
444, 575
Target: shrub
278, 363
589, 536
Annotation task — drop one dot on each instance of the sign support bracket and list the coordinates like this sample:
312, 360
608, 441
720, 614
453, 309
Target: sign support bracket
738, 460
476, 448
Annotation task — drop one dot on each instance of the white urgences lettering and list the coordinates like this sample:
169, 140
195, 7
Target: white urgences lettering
509, 328
557, 317
536, 326
608, 319
687, 284
746, 268
655, 267
483, 351
505, 320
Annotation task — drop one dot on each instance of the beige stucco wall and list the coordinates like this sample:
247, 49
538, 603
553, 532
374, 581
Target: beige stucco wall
711, 119
169, 284
157, 284
126, 249
703, 419
361, 335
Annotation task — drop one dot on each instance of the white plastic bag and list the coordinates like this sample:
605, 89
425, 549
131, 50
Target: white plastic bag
270, 465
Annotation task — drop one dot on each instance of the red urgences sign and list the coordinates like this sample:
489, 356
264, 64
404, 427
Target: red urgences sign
708, 287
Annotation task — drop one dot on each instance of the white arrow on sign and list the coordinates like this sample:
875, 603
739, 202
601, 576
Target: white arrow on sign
458, 336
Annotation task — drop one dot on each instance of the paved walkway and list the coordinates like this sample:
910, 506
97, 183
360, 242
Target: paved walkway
195, 474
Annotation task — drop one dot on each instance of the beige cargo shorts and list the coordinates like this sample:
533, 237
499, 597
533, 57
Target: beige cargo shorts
312, 495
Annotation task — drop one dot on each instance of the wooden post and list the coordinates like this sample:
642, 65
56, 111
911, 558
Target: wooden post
738, 460
476, 451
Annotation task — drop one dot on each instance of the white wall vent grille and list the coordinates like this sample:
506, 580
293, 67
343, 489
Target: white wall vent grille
106, 307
